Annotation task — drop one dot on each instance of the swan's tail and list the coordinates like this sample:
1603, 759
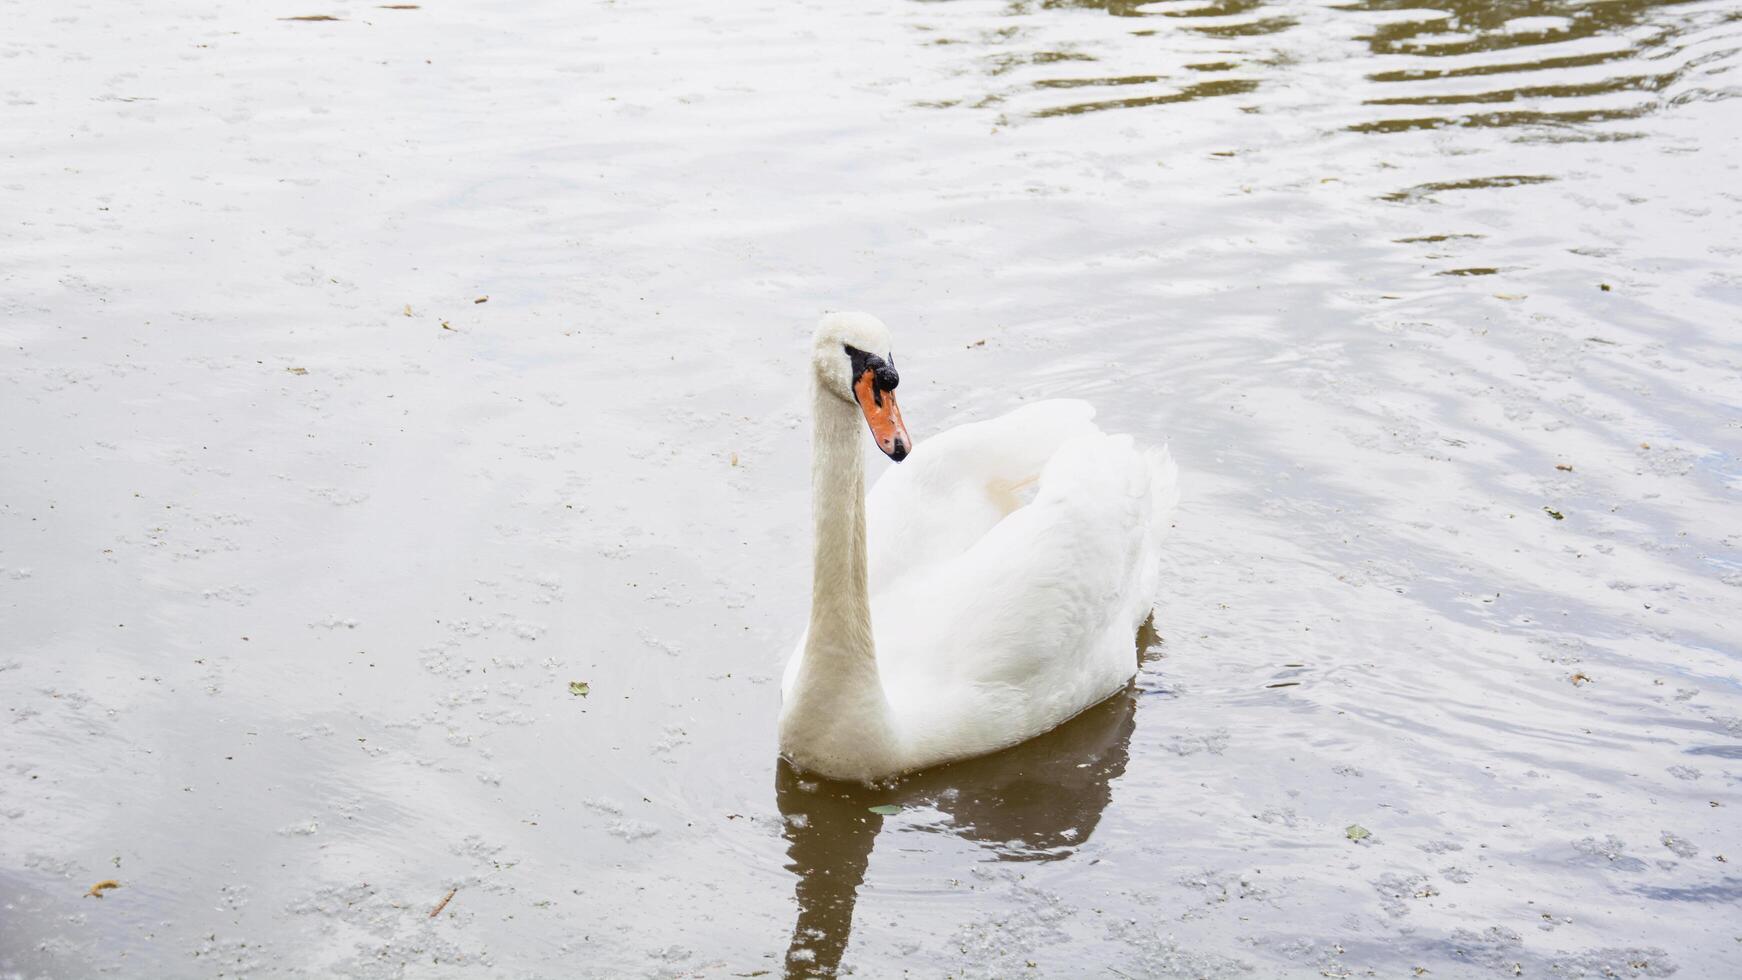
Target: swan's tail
1163, 499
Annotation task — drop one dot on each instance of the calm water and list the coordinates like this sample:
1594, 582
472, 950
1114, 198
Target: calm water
302, 544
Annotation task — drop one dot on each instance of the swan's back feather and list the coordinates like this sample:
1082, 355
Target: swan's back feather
958, 484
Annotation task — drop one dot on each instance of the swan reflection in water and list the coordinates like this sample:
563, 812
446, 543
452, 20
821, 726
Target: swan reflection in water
1038, 801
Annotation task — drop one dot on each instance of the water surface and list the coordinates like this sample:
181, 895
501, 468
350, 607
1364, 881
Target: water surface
303, 539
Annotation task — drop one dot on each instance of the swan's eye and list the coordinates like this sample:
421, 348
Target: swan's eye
882, 371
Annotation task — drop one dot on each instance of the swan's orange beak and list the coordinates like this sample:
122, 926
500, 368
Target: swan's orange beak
878, 404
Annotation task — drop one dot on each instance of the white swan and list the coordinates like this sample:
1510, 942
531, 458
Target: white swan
968, 621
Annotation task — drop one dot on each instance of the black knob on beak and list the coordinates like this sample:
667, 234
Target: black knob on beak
898, 452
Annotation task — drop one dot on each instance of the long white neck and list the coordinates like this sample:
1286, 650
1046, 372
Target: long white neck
837, 716
840, 598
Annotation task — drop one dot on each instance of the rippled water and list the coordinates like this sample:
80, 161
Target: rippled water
302, 540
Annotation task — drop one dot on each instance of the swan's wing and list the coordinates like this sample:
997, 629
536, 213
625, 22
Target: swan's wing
958, 484
1035, 621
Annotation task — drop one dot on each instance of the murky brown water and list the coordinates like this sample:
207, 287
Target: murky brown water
301, 545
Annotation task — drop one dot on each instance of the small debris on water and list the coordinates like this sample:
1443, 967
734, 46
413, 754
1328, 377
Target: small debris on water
1603, 286
1284, 684
1557, 515
1579, 678
331, 17
297, 370
408, 309
445, 326
481, 299
443, 903
100, 887
1356, 832
580, 689
978, 343
1563, 467
885, 809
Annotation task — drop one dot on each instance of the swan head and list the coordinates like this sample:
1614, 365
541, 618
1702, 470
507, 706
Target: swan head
852, 356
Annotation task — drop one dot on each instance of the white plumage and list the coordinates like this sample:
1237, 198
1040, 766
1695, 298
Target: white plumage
963, 620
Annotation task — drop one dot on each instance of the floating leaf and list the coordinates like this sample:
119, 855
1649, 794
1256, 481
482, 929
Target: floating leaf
1557, 515
1357, 832
1563, 467
100, 887
579, 688
885, 809
297, 370
481, 299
